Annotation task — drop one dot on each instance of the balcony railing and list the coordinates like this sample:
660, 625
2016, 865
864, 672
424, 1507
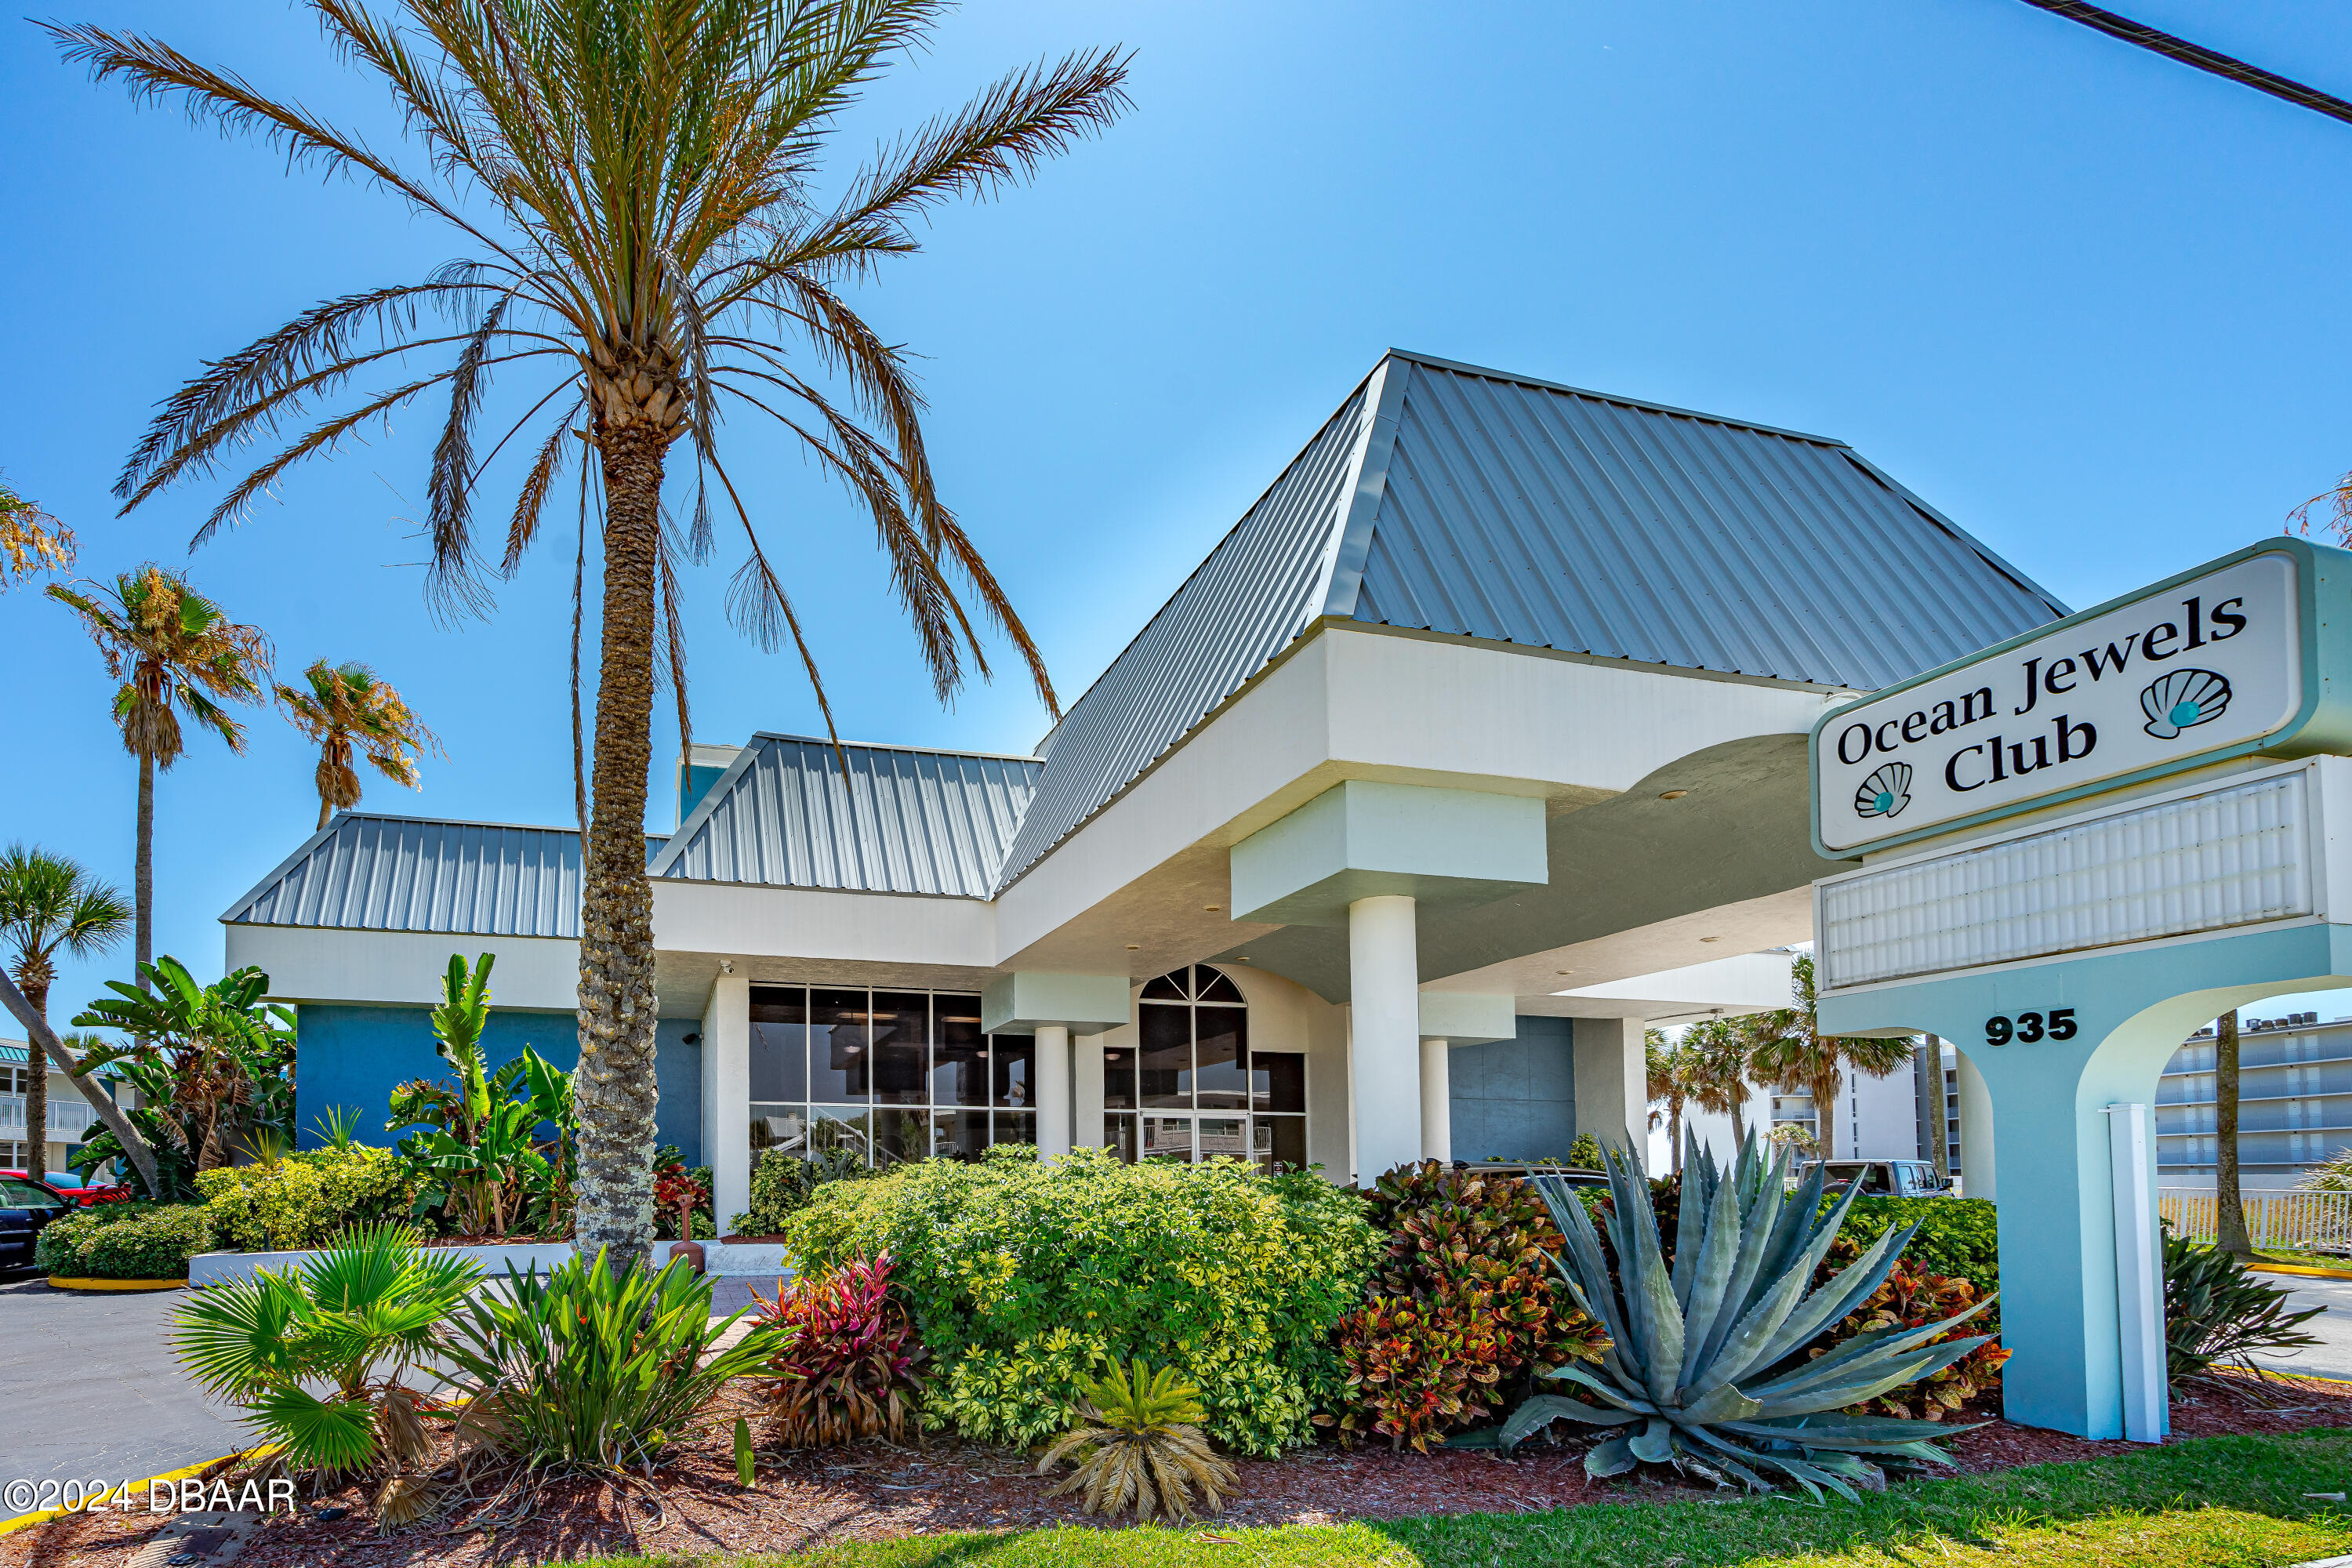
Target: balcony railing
68, 1118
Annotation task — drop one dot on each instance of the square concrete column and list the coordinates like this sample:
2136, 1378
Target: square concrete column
1086, 1092
1613, 1081
1976, 1130
1384, 1038
1436, 1102
727, 1095
1053, 1098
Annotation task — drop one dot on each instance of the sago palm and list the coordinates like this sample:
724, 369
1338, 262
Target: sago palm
1791, 1051
1140, 1446
30, 539
641, 186
176, 652
49, 904
349, 715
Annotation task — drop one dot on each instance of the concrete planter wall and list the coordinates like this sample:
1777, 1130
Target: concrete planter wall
492, 1258
760, 1259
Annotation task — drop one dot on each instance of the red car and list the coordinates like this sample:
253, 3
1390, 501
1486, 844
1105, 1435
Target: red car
75, 1198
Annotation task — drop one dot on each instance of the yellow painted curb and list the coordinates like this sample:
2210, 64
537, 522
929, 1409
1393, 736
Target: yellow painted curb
2301, 1269
27, 1521
59, 1281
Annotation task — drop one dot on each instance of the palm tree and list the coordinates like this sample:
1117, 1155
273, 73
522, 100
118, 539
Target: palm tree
1715, 1053
2229, 1202
49, 902
1669, 1080
30, 539
1791, 1052
639, 182
176, 652
347, 713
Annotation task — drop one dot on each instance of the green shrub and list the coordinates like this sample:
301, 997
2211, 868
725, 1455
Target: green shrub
304, 1200
1958, 1237
1029, 1279
781, 1185
124, 1241
2216, 1310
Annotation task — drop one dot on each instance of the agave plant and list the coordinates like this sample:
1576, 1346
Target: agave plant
355, 1317
1143, 1446
1708, 1359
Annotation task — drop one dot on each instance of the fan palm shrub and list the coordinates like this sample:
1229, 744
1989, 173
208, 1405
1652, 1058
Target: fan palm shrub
593, 1370
643, 192
351, 716
1140, 1446
356, 1318
1709, 1361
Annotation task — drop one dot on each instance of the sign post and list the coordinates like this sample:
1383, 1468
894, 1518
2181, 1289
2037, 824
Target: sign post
2077, 846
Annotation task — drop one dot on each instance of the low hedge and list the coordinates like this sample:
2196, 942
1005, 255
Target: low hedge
303, 1200
1026, 1278
124, 1241
1958, 1237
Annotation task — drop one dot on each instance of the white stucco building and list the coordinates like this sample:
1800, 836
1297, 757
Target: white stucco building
1476, 745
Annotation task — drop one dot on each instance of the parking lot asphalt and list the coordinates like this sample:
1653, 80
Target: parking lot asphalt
89, 1388
2332, 1357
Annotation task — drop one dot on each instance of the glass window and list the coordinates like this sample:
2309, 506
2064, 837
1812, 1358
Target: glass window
1016, 1127
1168, 988
1226, 1136
902, 1031
1167, 1055
775, 1126
960, 1058
1215, 988
1281, 1143
1168, 1138
901, 1135
1012, 1055
1277, 1081
842, 1127
778, 1044
959, 1135
1221, 1058
1118, 1078
1119, 1137
837, 1044
17, 1195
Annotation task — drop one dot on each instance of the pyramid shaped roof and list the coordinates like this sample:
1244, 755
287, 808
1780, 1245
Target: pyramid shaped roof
1452, 499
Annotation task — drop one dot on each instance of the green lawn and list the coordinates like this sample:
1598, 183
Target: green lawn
2219, 1502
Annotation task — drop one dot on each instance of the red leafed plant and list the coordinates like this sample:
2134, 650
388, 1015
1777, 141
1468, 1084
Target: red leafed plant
849, 1372
1912, 1298
679, 1189
1459, 1313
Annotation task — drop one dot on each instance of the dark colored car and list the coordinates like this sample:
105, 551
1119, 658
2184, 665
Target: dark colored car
27, 1206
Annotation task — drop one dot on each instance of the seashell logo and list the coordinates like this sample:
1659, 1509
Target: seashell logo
2182, 700
1885, 792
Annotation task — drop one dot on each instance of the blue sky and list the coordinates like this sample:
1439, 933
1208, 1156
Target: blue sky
2088, 303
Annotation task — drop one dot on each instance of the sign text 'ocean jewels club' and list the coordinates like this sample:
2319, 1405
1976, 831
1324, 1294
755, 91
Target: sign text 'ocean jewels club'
2207, 663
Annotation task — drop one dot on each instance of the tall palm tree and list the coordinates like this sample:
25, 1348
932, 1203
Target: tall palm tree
349, 715
176, 652
1669, 1080
48, 904
30, 539
1791, 1053
639, 182
1715, 1053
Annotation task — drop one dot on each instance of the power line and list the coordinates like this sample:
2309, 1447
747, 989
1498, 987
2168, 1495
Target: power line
2199, 56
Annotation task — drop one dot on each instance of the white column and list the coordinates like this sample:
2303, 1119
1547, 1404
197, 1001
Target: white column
1613, 1081
1086, 1092
727, 1095
2139, 1271
1436, 1102
1053, 1066
1385, 1038
1976, 1131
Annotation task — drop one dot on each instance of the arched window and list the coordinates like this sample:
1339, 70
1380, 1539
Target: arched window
1192, 1089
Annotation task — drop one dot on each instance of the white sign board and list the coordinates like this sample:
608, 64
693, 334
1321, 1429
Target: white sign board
2207, 663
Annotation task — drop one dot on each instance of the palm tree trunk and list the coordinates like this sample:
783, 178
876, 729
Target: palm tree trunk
1675, 1133
2228, 1207
326, 810
614, 1091
1939, 1132
1825, 1093
1739, 1115
37, 1030
36, 1092
142, 875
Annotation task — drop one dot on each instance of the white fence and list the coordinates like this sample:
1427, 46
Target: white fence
2303, 1221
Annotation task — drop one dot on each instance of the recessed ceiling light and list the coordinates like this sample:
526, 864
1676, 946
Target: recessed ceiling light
1563, 972
1135, 947
1673, 794
1212, 908
1710, 938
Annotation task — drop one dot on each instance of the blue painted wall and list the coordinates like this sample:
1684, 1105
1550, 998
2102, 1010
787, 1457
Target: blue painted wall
1515, 1100
352, 1056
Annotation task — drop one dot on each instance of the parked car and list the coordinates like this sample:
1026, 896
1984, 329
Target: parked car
81, 1198
1573, 1175
1889, 1178
26, 1207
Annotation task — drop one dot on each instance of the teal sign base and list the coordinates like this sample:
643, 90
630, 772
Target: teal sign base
2121, 1017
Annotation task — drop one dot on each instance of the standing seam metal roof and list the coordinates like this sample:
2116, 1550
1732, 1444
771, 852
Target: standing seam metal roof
901, 821
1447, 497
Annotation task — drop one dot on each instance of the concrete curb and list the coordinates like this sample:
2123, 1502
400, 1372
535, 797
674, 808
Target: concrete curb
2308, 1272
64, 1282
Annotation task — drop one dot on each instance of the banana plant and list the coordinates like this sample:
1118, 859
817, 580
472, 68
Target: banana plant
1708, 1360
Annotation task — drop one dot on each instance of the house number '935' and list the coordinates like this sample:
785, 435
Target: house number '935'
2058, 1024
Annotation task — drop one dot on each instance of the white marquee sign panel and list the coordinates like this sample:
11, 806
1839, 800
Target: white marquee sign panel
2194, 668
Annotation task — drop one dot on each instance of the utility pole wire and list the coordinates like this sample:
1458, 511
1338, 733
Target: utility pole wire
2198, 55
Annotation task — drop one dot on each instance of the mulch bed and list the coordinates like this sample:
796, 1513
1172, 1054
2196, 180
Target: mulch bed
876, 1490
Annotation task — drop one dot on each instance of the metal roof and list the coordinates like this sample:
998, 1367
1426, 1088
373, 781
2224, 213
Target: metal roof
902, 820
1448, 498
368, 872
